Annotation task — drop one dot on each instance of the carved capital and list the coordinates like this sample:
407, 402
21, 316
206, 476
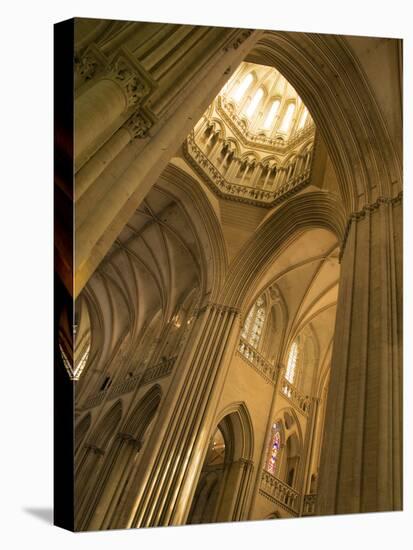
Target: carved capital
130, 439
95, 449
124, 74
86, 67
138, 125
89, 63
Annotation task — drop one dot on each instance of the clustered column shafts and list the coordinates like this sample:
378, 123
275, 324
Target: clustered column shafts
116, 196
362, 459
162, 496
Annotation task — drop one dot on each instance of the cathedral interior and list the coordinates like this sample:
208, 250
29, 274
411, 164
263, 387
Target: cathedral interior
235, 343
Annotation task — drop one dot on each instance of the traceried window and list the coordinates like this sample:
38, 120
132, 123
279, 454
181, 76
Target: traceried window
255, 101
254, 323
288, 117
292, 363
272, 113
303, 119
239, 92
274, 448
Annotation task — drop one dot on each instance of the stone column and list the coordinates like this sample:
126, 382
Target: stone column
224, 160
232, 169
100, 106
117, 195
279, 178
162, 490
135, 127
86, 472
309, 447
111, 483
233, 503
255, 178
361, 460
280, 370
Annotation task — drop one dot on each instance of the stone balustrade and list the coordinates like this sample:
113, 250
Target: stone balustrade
256, 360
309, 504
94, 400
239, 191
160, 370
279, 492
300, 401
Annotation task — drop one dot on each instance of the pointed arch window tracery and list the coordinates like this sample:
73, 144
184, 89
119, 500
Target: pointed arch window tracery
254, 323
288, 118
255, 101
241, 89
292, 363
303, 119
272, 113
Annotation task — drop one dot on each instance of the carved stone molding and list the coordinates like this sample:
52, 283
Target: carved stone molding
237, 192
89, 63
129, 438
361, 214
139, 125
221, 308
124, 74
235, 44
95, 449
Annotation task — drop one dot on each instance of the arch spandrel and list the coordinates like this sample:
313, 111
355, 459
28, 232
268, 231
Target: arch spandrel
330, 81
318, 209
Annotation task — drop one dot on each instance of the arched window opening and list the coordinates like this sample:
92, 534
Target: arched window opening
254, 323
274, 448
303, 119
288, 117
272, 113
240, 90
252, 107
292, 363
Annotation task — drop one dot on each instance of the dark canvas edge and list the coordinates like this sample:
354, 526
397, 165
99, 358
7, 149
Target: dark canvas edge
63, 386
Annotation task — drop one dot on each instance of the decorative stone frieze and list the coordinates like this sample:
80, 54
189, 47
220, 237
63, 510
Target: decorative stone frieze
238, 192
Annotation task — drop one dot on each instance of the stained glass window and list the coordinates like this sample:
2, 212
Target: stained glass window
274, 448
292, 362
